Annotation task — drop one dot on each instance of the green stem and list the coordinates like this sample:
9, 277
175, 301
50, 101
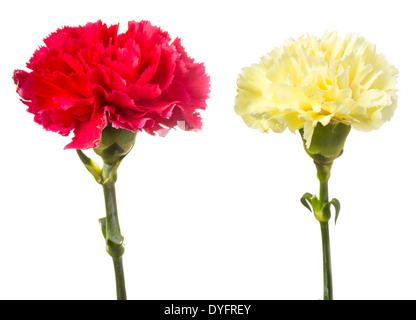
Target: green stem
114, 146
112, 225
326, 253
120, 283
324, 172
114, 239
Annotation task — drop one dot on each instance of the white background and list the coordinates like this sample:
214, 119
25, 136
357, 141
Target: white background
214, 214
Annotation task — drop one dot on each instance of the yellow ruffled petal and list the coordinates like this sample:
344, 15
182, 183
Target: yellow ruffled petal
374, 98
318, 80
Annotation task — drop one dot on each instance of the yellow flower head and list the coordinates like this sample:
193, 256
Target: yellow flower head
318, 80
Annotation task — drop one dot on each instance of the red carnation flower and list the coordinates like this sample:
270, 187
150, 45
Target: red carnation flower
89, 76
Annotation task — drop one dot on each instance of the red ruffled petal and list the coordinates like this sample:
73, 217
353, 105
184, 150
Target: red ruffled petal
87, 76
88, 133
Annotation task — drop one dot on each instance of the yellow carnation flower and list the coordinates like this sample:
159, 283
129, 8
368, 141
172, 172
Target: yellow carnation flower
318, 80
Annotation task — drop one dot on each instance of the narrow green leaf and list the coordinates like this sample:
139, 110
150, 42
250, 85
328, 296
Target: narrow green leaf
306, 200
337, 206
109, 172
115, 240
103, 224
91, 166
115, 246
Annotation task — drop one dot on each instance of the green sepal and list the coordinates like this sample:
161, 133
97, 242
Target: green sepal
327, 142
115, 144
337, 206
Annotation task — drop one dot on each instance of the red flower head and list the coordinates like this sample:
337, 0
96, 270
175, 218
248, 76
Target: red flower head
89, 76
